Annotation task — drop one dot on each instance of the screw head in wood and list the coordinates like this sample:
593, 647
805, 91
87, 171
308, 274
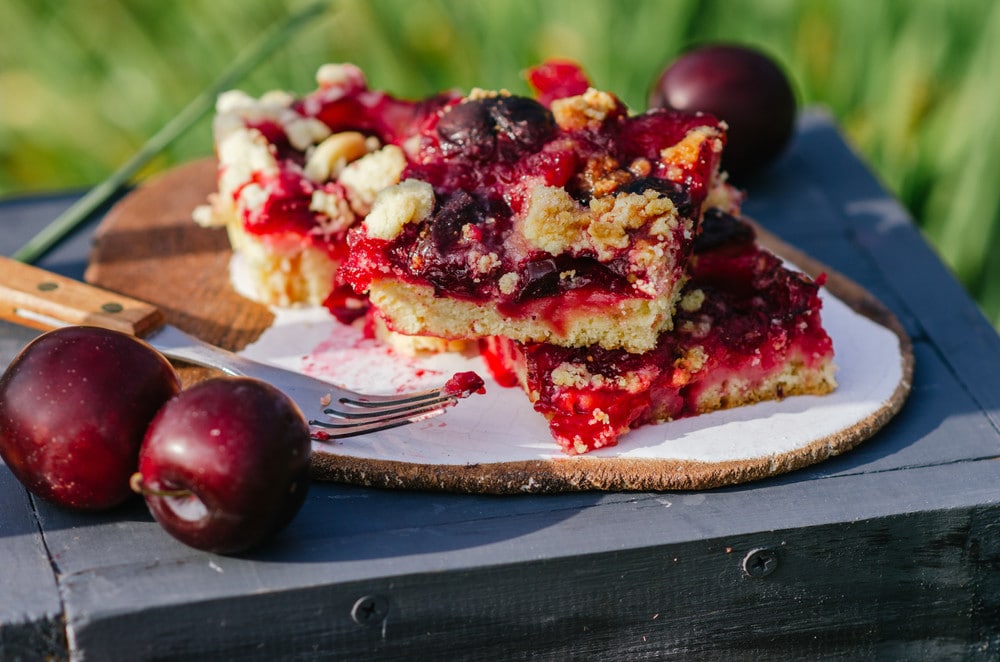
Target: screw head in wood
370, 610
760, 562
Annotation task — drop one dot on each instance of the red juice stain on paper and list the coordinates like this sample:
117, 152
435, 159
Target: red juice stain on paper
350, 358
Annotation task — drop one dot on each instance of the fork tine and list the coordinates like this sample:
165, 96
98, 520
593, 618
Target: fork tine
352, 427
375, 401
353, 411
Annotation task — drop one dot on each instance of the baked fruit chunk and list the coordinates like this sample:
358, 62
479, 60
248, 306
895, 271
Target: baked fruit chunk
296, 173
569, 223
747, 329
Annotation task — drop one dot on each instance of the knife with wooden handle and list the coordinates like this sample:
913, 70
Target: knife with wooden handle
43, 300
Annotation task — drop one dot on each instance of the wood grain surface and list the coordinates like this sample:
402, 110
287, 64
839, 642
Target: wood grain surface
148, 247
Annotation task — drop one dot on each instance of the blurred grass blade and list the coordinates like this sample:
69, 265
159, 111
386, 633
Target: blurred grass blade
245, 62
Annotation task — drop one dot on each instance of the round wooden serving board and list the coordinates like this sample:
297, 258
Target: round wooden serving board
148, 247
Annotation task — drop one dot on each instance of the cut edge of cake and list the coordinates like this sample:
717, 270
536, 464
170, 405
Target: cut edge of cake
592, 397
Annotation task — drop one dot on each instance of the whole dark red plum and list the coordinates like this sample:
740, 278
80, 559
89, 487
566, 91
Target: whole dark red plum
74, 407
225, 464
740, 85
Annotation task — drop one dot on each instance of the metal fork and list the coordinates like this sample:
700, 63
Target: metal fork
38, 298
336, 411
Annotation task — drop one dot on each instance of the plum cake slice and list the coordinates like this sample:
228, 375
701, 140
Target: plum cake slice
569, 222
747, 329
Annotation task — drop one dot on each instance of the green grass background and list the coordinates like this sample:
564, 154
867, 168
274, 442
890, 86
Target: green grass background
914, 84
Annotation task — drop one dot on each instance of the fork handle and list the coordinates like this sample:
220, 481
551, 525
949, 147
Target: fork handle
41, 299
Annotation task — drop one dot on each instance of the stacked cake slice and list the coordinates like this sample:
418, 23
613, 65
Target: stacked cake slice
595, 256
746, 329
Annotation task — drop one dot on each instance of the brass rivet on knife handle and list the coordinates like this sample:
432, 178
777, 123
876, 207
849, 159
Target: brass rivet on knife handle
34, 297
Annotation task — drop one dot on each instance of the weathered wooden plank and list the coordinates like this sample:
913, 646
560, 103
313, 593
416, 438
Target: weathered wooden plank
30, 607
921, 580
31, 619
791, 202
883, 230
962, 335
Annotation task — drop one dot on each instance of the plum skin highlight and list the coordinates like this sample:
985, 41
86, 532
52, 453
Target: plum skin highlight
225, 465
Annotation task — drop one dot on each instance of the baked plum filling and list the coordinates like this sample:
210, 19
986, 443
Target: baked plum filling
747, 329
540, 222
500, 128
462, 252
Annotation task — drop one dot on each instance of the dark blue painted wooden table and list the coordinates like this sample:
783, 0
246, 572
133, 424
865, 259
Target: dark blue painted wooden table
891, 551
